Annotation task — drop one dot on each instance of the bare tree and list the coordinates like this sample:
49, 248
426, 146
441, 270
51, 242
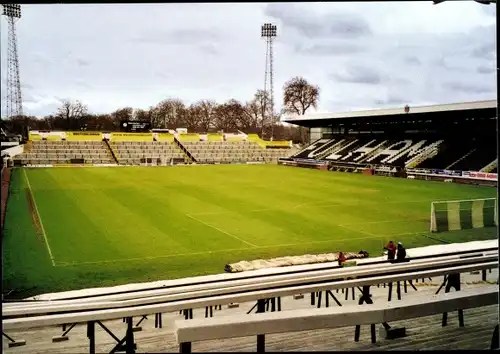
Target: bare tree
169, 114
192, 118
258, 110
71, 110
71, 114
207, 110
122, 114
228, 116
100, 122
299, 96
142, 114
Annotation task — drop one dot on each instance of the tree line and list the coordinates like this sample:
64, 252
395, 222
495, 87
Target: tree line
253, 116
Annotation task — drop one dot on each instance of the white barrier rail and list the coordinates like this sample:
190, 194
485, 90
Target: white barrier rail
183, 286
217, 289
99, 294
176, 302
304, 320
330, 274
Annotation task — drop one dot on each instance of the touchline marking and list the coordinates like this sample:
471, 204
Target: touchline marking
39, 218
222, 231
69, 264
361, 232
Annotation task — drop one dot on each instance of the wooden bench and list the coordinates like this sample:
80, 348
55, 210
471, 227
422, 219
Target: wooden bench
334, 317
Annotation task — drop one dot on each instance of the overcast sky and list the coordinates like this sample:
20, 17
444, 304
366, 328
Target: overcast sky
362, 55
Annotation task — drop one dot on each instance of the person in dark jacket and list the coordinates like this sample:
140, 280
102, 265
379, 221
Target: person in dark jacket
391, 250
401, 252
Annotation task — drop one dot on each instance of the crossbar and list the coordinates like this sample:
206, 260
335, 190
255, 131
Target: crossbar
334, 317
461, 200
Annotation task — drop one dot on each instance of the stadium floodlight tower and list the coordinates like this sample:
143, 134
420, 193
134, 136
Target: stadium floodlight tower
269, 32
14, 101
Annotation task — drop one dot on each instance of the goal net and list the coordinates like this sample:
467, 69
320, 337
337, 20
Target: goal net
463, 214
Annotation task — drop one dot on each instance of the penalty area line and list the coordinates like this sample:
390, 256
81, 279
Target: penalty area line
221, 231
39, 218
69, 264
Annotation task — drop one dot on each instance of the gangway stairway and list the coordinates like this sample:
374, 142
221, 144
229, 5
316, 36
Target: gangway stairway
491, 167
451, 166
449, 152
475, 160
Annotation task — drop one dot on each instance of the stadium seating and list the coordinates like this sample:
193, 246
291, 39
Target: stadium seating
134, 152
410, 151
232, 152
137, 152
44, 152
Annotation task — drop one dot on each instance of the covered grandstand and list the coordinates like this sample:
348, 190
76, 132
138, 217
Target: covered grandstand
451, 141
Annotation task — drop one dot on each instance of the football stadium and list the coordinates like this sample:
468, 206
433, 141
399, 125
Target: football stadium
105, 230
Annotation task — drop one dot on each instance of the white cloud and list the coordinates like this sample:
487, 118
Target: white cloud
362, 55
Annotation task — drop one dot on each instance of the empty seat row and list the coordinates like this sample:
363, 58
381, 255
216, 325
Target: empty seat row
176, 155
149, 149
140, 143
45, 161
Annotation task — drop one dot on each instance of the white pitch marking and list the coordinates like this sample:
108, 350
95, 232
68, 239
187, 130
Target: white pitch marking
321, 205
67, 264
39, 218
332, 204
374, 222
222, 231
361, 232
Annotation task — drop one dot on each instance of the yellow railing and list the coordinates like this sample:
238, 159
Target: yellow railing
165, 137
265, 143
214, 137
189, 137
33, 137
83, 136
131, 136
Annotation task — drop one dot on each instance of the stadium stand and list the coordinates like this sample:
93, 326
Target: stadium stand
438, 142
410, 151
368, 149
232, 152
140, 152
124, 148
44, 152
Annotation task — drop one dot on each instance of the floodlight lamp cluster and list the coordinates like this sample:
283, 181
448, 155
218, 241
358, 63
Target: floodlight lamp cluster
268, 30
12, 10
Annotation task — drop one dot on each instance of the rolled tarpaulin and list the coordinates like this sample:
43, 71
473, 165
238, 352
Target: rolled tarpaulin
244, 266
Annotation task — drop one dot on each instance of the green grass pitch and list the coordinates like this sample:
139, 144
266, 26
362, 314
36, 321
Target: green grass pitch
110, 226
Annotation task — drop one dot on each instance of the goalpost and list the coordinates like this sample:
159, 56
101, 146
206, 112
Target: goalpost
453, 215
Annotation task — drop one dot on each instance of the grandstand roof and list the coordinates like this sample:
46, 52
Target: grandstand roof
476, 109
